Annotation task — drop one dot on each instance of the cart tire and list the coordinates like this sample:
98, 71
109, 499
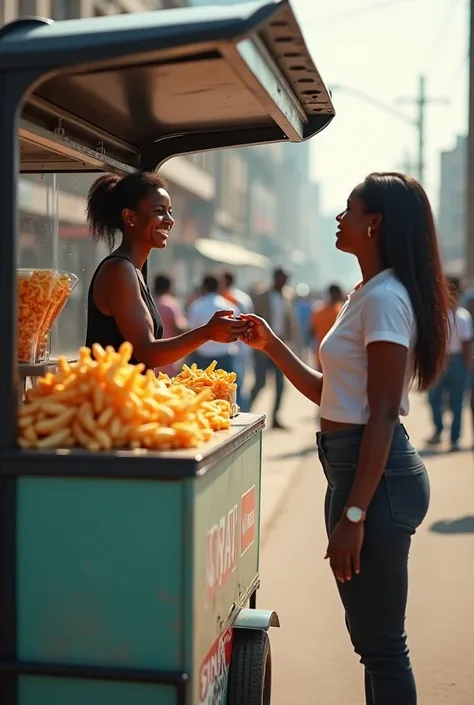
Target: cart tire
250, 672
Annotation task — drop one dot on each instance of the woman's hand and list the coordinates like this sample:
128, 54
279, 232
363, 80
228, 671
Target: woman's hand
223, 328
344, 549
259, 334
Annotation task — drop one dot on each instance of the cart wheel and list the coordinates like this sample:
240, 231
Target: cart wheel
250, 672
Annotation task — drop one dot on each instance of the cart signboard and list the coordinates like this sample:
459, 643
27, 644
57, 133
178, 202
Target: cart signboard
226, 520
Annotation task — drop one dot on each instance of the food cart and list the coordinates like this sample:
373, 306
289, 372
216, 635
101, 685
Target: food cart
130, 577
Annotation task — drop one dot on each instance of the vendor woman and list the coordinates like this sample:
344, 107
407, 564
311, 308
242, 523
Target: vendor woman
120, 305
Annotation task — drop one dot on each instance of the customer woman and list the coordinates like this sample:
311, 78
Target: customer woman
391, 330
120, 305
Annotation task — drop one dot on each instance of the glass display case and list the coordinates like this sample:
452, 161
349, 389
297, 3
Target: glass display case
53, 236
56, 259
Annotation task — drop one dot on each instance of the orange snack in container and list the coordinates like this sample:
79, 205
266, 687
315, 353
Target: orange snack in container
37, 306
222, 384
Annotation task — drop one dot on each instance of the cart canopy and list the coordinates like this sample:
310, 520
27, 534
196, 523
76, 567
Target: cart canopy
130, 91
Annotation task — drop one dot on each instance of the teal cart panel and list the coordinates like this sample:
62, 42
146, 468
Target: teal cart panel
99, 573
34, 690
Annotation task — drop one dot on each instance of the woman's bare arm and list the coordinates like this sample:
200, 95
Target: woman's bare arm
118, 282
306, 380
261, 337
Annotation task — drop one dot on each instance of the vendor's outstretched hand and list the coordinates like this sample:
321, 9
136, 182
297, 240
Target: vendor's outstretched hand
259, 335
224, 328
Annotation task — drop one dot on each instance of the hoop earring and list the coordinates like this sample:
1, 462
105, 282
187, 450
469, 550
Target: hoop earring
369, 232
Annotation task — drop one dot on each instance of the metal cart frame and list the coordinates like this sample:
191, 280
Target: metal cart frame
270, 91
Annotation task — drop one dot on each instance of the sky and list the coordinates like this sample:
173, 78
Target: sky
382, 47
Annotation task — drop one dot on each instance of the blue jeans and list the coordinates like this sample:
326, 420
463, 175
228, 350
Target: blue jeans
375, 600
262, 366
451, 385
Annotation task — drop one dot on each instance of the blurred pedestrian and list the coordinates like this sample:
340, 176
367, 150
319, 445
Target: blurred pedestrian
243, 360
451, 388
303, 307
192, 295
324, 316
235, 295
226, 354
275, 305
174, 320
469, 303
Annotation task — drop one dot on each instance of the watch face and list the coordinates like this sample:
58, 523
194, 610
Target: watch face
354, 514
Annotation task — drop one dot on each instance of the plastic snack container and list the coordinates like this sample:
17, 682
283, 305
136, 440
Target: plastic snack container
42, 295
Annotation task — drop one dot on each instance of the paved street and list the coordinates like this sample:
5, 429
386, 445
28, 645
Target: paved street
313, 660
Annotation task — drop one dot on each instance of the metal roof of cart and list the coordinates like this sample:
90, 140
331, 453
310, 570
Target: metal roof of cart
129, 91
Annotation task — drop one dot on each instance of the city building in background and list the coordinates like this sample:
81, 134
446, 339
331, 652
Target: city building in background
72, 9
298, 213
452, 206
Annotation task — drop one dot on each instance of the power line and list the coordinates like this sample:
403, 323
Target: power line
421, 101
461, 65
440, 38
356, 12
459, 72
370, 100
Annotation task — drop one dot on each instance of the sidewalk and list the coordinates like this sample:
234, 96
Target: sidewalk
285, 453
312, 656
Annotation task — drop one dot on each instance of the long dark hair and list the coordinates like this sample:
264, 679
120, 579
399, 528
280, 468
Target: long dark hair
409, 246
109, 195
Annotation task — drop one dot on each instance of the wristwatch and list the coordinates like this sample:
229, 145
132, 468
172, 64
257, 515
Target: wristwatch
354, 514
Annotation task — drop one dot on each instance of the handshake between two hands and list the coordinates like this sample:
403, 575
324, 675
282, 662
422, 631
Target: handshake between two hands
225, 327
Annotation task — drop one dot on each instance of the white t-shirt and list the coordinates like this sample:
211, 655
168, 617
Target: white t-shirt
380, 310
200, 312
460, 326
277, 309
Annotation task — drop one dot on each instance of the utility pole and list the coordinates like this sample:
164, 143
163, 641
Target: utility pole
422, 101
469, 249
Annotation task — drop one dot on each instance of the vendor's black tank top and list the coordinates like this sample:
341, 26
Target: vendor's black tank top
103, 329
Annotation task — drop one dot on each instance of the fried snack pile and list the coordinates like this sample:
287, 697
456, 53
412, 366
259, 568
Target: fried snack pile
103, 402
221, 383
42, 294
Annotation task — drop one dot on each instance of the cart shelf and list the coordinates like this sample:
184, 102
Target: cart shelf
136, 464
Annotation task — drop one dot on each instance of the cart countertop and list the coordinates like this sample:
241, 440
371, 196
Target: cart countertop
136, 464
